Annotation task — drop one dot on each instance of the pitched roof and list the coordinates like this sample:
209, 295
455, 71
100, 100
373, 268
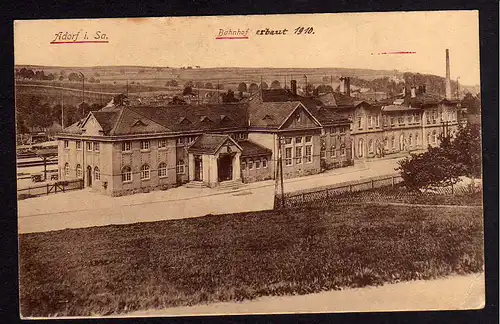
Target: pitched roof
210, 143
270, 114
253, 149
106, 119
196, 117
390, 108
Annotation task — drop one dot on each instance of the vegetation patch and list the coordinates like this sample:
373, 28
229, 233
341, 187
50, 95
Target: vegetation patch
116, 269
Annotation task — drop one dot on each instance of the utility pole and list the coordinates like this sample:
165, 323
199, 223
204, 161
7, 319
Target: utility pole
83, 91
458, 89
278, 184
307, 92
62, 109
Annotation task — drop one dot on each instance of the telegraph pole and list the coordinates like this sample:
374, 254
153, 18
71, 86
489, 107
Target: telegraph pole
62, 109
278, 183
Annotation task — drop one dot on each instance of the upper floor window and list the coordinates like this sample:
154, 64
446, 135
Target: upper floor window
370, 121
144, 145
308, 139
392, 120
96, 146
126, 146
66, 144
162, 143
288, 140
66, 169
89, 146
78, 145
377, 121
359, 123
298, 140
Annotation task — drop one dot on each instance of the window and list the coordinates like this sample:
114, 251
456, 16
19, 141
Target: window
243, 166
416, 138
333, 152
386, 143
298, 140
97, 173
410, 140
308, 157
401, 120
288, 156
264, 163
298, 154
417, 118
89, 146
144, 145
342, 150
78, 171
96, 146
392, 120
393, 142
66, 169
162, 170
66, 144
78, 145
377, 120
181, 167
428, 138
162, 143
434, 137
145, 172
126, 174
370, 121
288, 140
322, 154
257, 164
359, 123
250, 164
180, 141
360, 147
308, 139
410, 119
370, 146
126, 146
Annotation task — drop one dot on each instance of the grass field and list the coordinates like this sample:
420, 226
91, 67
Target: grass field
116, 269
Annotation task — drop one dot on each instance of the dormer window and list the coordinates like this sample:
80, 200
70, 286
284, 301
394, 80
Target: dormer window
184, 121
224, 118
139, 123
205, 119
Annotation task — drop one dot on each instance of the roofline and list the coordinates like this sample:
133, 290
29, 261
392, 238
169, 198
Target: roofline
293, 111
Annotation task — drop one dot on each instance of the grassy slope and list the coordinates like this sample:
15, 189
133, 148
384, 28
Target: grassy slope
115, 269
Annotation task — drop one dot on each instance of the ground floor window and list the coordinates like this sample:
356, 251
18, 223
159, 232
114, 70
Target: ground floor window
66, 169
243, 166
333, 152
264, 162
78, 171
410, 140
393, 142
298, 154
162, 170
145, 172
250, 164
370, 146
97, 173
257, 164
126, 174
308, 156
181, 167
434, 137
360, 147
288, 156
416, 138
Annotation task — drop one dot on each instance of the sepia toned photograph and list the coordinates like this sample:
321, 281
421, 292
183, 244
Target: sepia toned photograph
257, 164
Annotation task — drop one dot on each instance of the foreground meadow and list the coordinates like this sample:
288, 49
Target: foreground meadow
118, 269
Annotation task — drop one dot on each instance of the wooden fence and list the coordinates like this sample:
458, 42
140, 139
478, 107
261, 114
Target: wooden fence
49, 188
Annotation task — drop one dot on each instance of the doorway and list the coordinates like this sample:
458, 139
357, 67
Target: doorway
198, 168
89, 176
225, 167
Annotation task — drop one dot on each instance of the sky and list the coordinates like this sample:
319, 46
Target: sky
344, 40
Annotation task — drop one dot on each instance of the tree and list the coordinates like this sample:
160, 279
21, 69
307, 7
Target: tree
467, 147
275, 84
187, 91
253, 88
229, 96
264, 86
189, 84
242, 87
208, 85
324, 88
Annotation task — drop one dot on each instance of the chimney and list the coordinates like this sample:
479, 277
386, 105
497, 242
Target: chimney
448, 82
348, 86
293, 85
413, 92
342, 85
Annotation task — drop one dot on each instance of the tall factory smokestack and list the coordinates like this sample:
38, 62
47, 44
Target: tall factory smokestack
448, 81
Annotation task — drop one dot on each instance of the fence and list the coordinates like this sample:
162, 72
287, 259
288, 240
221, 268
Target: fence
377, 189
49, 188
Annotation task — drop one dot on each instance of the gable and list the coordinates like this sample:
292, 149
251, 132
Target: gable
299, 119
92, 127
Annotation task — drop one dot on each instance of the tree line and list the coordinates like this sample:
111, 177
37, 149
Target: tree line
34, 113
31, 74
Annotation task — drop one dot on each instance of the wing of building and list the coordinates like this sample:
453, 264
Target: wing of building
124, 149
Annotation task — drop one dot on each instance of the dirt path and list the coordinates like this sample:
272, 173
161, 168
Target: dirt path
450, 293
